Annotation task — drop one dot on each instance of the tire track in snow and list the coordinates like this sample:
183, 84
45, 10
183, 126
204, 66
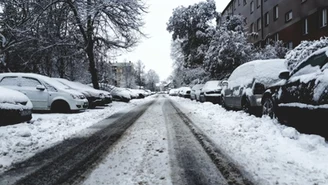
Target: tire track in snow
68, 167
189, 163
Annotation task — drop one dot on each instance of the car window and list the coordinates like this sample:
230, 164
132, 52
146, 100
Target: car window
50, 87
30, 82
312, 65
10, 81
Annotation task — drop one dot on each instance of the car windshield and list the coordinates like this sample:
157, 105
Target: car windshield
315, 63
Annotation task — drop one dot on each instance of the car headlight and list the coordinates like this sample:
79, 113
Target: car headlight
101, 95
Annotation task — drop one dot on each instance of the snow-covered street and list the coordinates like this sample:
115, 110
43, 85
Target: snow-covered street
264, 150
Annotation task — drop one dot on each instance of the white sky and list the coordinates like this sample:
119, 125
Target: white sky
154, 52
269, 152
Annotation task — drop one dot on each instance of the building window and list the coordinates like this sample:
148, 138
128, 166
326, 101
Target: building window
252, 29
252, 6
234, 4
238, 2
245, 2
258, 3
275, 12
267, 19
289, 16
305, 27
323, 18
259, 27
290, 45
276, 37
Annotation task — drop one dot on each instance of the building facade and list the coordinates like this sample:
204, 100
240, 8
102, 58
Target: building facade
288, 20
122, 74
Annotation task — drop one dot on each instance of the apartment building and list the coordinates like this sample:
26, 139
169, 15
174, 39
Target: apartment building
122, 74
288, 20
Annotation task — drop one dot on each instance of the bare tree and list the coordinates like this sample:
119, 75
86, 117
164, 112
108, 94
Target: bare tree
152, 79
139, 73
112, 23
44, 33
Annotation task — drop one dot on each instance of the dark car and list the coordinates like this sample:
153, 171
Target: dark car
15, 107
302, 93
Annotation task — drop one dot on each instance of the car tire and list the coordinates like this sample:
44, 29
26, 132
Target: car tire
268, 107
246, 106
223, 103
60, 106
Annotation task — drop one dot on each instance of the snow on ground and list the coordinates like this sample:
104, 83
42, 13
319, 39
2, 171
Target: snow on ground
270, 152
141, 156
21, 141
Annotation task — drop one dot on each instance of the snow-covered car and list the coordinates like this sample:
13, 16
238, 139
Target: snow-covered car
121, 94
302, 93
44, 92
174, 92
247, 84
211, 91
15, 107
195, 91
184, 92
95, 97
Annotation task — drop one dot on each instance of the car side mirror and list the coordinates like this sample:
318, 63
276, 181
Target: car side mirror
284, 75
40, 87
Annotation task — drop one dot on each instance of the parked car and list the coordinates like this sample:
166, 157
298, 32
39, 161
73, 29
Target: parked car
95, 97
44, 92
211, 91
302, 93
195, 91
184, 92
15, 107
174, 92
247, 84
121, 94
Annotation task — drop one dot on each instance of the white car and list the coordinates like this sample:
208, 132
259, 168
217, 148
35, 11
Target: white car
14, 107
44, 92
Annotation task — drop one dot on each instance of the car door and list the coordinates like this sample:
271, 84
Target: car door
39, 97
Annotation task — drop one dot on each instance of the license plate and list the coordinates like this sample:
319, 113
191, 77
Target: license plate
25, 112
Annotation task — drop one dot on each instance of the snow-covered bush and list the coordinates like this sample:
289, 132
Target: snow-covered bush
228, 48
272, 50
303, 50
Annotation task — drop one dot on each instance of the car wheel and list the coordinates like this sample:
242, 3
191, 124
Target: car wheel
60, 106
223, 103
268, 107
246, 106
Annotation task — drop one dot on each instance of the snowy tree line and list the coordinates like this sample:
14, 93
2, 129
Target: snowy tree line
204, 48
71, 39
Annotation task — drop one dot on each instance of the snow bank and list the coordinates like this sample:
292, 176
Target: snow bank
270, 152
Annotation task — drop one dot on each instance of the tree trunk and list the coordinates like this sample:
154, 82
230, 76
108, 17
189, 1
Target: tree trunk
92, 65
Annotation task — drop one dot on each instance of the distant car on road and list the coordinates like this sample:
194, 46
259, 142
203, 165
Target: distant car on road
15, 107
302, 93
44, 92
247, 84
211, 91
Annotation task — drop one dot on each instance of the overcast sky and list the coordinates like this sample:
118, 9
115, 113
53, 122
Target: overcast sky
154, 51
